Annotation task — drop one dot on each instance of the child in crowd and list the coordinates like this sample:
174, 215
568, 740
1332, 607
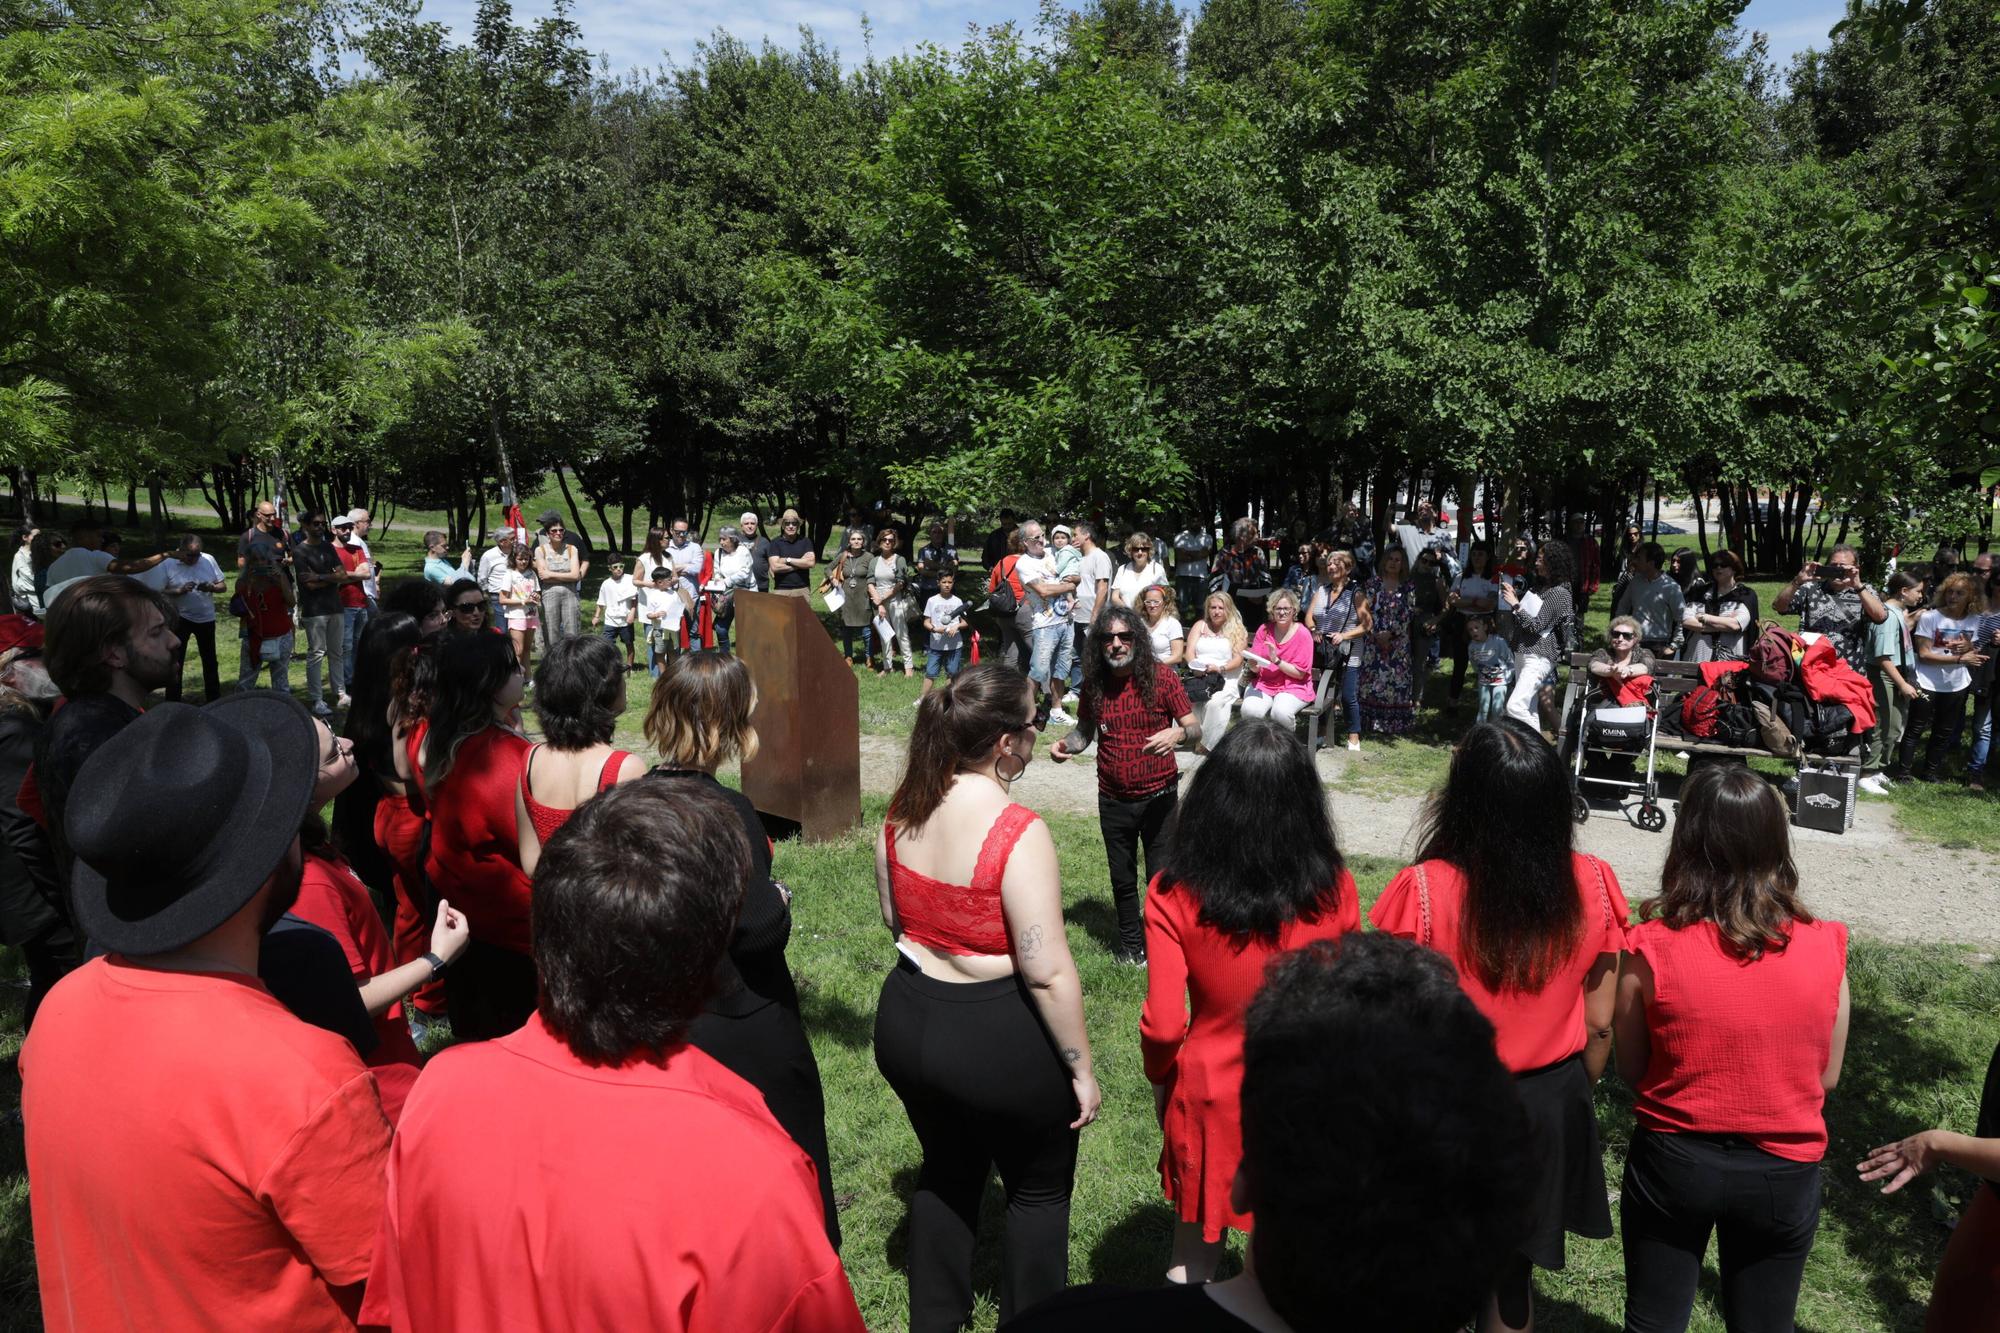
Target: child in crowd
1493, 660
663, 608
1068, 562
944, 618
617, 603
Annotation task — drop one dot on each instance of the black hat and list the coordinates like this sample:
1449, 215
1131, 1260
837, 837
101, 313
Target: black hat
178, 820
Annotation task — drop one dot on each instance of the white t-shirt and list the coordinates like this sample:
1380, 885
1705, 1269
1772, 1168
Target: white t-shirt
76, 563
1128, 583
371, 587
1470, 587
663, 606
1164, 634
941, 610
617, 599
195, 604
1945, 632
494, 577
1096, 565
1191, 552
732, 568
1043, 611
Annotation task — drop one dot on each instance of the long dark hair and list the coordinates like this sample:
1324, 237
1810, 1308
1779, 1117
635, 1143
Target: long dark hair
955, 726
367, 722
1502, 820
472, 668
1257, 777
1731, 863
1562, 563
1097, 677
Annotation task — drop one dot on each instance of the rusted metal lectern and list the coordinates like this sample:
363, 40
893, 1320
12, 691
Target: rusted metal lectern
808, 717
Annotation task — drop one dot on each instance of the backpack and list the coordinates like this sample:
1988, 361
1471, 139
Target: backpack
1003, 600
1774, 658
1700, 709
1822, 726
1708, 714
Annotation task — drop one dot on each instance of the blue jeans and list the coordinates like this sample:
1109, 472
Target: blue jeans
1492, 701
1049, 653
722, 623
354, 619
1982, 734
1078, 642
946, 660
1350, 694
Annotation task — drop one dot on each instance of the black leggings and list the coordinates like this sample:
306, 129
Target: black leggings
983, 1087
1943, 715
1763, 1209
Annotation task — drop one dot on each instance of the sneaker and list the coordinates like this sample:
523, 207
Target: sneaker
1875, 784
322, 712
1130, 957
343, 702
1354, 744
1060, 718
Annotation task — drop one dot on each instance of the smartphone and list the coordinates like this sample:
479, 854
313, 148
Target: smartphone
1812, 569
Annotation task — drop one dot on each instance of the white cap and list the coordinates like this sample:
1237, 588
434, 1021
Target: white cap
1061, 530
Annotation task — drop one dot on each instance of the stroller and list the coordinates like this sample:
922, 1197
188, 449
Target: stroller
1596, 728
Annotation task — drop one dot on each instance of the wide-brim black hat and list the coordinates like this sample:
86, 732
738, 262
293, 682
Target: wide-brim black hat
178, 820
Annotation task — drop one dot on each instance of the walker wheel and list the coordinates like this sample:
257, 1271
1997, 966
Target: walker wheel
1579, 809
1652, 818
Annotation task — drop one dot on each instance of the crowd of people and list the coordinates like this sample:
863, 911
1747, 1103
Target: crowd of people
241, 923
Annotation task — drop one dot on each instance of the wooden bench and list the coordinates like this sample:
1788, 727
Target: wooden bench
1674, 679
1312, 717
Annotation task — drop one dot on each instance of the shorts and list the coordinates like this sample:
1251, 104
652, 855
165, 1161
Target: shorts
946, 659
1049, 653
523, 621
618, 634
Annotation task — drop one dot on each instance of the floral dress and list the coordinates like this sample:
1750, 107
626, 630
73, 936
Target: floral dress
1386, 672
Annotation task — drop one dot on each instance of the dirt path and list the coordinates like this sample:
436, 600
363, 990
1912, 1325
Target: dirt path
1877, 879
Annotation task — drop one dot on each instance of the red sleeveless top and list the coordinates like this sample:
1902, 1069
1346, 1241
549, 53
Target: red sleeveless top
959, 918
475, 853
547, 818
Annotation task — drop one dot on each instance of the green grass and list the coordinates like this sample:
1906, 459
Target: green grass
1925, 1022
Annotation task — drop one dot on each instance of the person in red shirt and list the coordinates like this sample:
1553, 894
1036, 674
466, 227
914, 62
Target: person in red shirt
469, 764
594, 1170
1386, 1156
1138, 711
1218, 912
332, 897
1534, 929
1731, 1024
195, 1153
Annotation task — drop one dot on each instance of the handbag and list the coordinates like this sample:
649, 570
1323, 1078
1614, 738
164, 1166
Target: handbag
1329, 655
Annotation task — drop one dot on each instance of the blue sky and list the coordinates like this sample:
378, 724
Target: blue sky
632, 34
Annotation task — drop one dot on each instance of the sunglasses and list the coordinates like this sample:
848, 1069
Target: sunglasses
1118, 636
1622, 634
468, 608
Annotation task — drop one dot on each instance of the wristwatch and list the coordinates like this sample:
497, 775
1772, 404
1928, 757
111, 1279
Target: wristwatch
437, 965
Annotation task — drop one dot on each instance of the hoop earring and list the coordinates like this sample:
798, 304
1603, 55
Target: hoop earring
1021, 766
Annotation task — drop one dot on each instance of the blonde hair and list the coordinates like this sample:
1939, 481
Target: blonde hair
1616, 621
1975, 595
699, 716
1233, 628
1282, 595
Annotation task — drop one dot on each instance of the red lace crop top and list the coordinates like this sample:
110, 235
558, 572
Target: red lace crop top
959, 918
548, 819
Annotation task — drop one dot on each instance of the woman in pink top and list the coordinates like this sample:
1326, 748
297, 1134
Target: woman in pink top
1284, 682
1730, 1026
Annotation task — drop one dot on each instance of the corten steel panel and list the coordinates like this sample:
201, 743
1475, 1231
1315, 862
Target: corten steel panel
808, 717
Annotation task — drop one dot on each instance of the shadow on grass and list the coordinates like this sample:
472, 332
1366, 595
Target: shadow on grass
1133, 1251
1556, 1315
987, 1245
1099, 920
1891, 1061
832, 1016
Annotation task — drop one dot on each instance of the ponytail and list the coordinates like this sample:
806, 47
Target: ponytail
955, 726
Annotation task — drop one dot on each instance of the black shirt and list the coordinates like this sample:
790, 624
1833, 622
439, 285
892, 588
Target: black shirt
305, 969
318, 559
74, 732
940, 559
995, 549
258, 547
790, 548
1105, 1309
760, 563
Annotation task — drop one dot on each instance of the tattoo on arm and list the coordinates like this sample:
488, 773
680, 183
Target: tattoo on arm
1031, 941
1071, 1054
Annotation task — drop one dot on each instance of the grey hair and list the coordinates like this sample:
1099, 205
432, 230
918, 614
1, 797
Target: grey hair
1083, 528
1243, 529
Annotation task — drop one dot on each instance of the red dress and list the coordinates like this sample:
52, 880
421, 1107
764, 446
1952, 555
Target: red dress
1201, 1062
475, 855
399, 831
332, 898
